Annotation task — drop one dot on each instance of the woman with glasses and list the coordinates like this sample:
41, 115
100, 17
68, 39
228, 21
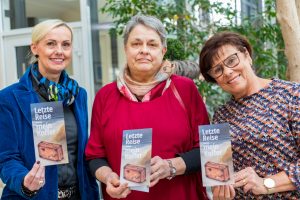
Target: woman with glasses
264, 118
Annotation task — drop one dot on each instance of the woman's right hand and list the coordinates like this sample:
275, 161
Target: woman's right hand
114, 188
223, 192
35, 178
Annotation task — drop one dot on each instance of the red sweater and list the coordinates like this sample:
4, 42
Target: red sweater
174, 132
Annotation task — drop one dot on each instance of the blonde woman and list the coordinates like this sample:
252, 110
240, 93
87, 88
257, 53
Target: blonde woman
45, 80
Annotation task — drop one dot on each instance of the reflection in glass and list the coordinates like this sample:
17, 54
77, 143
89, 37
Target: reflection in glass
107, 46
22, 55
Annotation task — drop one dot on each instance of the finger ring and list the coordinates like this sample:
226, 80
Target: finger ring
41, 182
244, 181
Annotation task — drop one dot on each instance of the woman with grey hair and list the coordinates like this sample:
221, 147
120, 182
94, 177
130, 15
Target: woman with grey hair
147, 95
45, 80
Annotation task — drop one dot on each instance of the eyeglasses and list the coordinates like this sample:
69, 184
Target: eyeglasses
230, 62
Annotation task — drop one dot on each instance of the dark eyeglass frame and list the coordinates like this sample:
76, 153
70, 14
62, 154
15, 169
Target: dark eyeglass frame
222, 66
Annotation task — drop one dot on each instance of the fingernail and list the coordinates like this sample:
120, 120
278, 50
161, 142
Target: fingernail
38, 162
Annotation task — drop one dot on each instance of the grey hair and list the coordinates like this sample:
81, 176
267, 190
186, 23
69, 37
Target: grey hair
40, 30
186, 68
148, 21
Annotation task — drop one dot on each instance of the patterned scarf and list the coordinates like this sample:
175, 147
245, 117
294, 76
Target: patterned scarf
65, 90
132, 89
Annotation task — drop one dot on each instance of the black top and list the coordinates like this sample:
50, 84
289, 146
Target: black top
67, 175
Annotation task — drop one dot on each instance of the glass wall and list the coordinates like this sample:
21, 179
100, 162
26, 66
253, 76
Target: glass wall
18, 14
250, 8
26, 13
107, 47
108, 54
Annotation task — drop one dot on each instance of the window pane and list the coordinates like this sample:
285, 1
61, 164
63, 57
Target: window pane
107, 46
22, 58
27, 13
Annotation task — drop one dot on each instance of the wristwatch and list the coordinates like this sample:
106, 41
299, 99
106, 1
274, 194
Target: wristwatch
172, 170
269, 184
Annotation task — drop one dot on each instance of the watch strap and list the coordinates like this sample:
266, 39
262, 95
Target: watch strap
172, 170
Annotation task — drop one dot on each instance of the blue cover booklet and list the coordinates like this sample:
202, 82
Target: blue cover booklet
49, 133
135, 158
216, 155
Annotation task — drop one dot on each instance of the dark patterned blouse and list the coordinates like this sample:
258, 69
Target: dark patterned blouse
265, 130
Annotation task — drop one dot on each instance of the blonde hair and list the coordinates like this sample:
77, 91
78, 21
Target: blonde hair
40, 30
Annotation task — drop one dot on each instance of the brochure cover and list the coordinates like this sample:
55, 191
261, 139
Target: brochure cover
135, 160
216, 155
49, 133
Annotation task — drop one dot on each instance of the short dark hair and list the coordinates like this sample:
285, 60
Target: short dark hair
212, 46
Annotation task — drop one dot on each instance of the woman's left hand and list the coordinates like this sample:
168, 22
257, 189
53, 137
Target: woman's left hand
249, 180
159, 169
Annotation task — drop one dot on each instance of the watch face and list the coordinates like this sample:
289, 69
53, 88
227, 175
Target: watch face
269, 183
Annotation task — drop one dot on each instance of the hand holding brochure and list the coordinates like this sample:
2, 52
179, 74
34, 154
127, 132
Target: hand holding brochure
136, 156
216, 155
49, 133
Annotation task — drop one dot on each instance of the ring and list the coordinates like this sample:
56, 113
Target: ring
244, 181
41, 182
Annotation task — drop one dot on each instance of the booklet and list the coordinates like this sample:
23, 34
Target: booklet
135, 158
216, 155
49, 135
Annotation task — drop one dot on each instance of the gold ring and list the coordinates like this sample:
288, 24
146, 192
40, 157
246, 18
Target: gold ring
41, 182
244, 181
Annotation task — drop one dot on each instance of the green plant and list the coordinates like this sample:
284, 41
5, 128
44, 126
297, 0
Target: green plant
175, 50
181, 19
212, 95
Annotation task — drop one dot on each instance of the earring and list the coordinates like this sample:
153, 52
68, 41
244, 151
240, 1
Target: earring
36, 56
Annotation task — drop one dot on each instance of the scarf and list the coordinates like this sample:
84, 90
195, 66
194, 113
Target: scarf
132, 89
65, 90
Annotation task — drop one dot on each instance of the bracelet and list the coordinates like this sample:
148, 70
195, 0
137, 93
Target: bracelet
172, 170
270, 191
28, 192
